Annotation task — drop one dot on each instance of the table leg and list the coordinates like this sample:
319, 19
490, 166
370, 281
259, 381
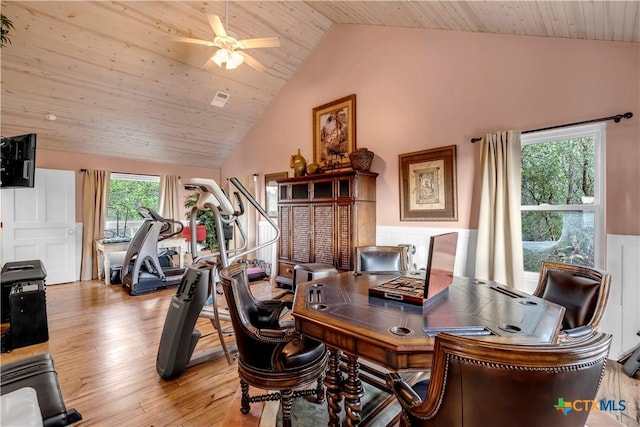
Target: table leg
333, 382
181, 255
98, 263
107, 269
353, 392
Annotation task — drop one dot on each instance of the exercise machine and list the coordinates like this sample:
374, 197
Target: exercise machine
142, 271
179, 335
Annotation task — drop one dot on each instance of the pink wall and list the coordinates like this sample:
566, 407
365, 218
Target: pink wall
69, 161
421, 89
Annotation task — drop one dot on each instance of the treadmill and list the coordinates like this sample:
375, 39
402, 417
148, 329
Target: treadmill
142, 270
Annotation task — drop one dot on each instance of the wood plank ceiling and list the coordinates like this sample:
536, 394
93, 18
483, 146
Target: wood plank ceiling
121, 86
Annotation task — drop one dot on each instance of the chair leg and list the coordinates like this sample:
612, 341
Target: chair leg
244, 403
320, 389
286, 400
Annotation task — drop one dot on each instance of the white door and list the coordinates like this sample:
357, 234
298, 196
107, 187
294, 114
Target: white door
39, 223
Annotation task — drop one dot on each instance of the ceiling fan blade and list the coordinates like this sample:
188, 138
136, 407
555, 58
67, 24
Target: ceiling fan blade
194, 41
216, 25
209, 65
252, 62
261, 42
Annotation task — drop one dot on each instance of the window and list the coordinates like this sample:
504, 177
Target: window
563, 196
127, 192
271, 192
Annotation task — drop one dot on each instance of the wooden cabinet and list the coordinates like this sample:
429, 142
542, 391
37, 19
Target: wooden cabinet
322, 218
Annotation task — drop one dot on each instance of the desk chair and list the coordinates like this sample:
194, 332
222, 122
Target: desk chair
381, 259
583, 291
486, 383
271, 355
38, 372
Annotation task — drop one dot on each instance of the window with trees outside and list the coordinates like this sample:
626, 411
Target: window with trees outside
128, 192
563, 196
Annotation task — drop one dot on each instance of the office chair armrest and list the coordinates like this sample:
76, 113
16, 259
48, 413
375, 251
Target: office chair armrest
579, 332
275, 335
286, 298
402, 390
271, 304
269, 313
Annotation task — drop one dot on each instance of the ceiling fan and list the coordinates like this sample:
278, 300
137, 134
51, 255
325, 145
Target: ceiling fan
229, 54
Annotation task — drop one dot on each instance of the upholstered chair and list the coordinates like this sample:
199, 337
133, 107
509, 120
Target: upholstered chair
583, 291
271, 356
478, 383
381, 259
37, 372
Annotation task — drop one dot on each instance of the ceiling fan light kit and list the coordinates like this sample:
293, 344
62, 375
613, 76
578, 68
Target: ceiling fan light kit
228, 58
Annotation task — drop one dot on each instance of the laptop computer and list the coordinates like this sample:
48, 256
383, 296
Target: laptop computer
416, 287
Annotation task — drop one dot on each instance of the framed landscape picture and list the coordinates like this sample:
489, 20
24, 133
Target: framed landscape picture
428, 185
334, 132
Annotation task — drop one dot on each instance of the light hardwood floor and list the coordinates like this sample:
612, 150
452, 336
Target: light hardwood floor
104, 344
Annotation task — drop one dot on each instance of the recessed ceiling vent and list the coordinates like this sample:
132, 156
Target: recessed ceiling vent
220, 99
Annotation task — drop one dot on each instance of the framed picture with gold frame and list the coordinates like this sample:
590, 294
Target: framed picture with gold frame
334, 132
428, 185
271, 192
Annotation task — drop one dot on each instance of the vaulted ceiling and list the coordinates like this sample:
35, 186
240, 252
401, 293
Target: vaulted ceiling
120, 85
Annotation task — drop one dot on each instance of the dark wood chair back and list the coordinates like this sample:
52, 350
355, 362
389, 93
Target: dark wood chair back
477, 382
583, 291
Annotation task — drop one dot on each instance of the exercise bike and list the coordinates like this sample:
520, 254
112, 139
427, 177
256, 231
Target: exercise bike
179, 335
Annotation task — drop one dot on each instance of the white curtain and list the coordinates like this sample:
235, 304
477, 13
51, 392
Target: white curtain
94, 212
499, 250
169, 203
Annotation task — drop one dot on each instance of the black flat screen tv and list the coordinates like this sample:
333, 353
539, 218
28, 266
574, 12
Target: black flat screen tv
18, 154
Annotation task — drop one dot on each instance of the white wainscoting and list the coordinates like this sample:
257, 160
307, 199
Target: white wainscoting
419, 237
622, 318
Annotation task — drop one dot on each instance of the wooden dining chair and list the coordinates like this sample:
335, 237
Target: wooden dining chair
477, 383
583, 291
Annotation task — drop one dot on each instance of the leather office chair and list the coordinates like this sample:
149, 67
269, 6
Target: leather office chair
477, 382
583, 291
271, 356
38, 372
381, 259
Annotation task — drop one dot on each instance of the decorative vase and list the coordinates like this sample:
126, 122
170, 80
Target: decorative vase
298, 164
361, 159
313, 168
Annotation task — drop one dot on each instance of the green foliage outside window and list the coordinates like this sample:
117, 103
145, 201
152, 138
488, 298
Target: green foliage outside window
559, 173
5, 25
125, 197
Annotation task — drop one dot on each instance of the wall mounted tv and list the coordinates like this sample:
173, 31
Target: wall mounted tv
18, 155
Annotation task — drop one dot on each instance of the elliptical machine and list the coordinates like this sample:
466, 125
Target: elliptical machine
179, 335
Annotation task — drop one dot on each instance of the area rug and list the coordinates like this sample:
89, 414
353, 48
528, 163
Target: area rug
379, 408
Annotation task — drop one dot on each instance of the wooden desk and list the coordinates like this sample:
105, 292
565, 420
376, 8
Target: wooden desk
104, 251
338, 311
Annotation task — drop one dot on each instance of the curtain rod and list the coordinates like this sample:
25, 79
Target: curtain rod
129, 173
615, 118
